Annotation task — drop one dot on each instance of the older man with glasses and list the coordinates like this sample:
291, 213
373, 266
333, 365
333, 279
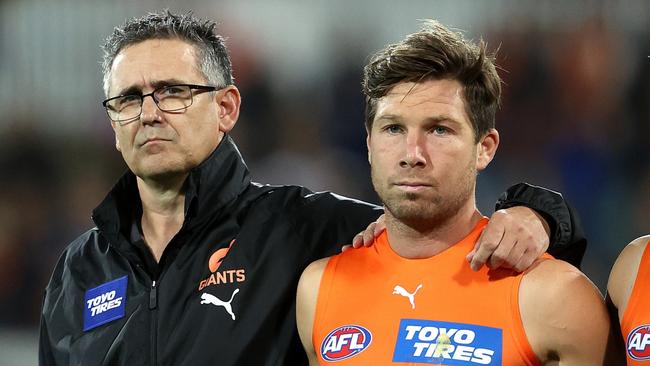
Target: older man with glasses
191, 263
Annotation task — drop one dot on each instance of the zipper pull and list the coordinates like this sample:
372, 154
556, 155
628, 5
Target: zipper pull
153, 296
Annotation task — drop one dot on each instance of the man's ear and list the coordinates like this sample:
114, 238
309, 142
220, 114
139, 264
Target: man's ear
228, 104
486, 149
368, 146
117, 139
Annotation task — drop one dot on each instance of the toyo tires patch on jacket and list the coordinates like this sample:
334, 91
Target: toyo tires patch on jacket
105, 303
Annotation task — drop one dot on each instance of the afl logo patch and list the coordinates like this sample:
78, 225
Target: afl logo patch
638, 343
345, 342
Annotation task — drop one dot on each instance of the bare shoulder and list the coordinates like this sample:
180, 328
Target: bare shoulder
309, 283
554, 277
551, 284
314, 271
623, 274
563, 314
306, 300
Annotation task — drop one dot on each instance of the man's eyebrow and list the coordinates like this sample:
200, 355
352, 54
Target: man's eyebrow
389, 118
160, 83
135, 89
432, 119
443, 118
129, 91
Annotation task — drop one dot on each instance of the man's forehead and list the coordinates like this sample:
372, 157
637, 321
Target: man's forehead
156, 59
428, 95
443, 90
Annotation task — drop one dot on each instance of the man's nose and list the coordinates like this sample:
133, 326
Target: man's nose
414, 155
150, 111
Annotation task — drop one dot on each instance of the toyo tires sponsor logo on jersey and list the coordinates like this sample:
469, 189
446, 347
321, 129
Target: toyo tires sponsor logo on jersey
638, 343
345, 342
445, 343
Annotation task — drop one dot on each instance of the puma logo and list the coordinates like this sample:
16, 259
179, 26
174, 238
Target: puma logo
399, 290
211, 299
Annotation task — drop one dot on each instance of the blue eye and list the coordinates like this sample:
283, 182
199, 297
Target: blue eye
440, 130
393, 129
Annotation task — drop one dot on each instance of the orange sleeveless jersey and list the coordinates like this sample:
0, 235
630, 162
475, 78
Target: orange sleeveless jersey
376, 308
635, 324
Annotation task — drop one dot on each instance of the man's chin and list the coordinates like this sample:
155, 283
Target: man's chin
410, 211
160, 172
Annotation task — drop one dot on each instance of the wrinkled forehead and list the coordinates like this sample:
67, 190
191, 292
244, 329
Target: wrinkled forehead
144, 63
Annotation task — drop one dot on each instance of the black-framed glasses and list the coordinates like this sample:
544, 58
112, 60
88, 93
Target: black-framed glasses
124, 109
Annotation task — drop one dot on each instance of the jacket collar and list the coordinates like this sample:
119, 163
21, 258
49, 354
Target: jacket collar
209, 188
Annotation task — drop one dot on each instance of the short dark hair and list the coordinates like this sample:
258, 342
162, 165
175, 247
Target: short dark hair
434, 53
212, 54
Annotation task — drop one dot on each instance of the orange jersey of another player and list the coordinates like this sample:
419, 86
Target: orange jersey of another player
635, 324
375, 308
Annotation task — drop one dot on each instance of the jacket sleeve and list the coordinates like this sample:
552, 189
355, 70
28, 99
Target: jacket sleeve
331, 220
45, 357
567, 238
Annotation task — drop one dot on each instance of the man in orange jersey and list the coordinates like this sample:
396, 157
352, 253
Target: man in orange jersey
412, 297
627, 290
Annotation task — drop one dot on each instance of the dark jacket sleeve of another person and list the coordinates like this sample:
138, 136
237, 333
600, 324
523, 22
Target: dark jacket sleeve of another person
568, 240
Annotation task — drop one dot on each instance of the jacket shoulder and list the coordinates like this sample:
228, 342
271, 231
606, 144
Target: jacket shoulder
297, 198
74, 256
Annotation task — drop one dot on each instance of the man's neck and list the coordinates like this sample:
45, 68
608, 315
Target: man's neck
163, 212
414, 243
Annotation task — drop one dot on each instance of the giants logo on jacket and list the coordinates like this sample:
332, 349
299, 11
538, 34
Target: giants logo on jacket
445, 343
226, 276
638, 343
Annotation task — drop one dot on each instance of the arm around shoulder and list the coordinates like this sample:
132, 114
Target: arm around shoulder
306, 300
567, 239
565, 317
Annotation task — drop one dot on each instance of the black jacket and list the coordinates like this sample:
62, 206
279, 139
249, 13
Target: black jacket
109, 303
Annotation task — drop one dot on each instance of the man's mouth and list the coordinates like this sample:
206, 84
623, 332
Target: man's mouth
153, 140
413, 186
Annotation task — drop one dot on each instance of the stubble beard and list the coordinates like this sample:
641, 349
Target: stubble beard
430, 210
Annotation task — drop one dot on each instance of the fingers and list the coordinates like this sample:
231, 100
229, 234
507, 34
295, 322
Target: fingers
377, 227
526, 260
369, 234
507, 253
367, 237
487, 244
345, 247
357, 242
514, 238
380, 224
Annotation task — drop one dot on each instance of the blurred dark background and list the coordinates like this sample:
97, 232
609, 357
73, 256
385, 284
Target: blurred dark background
575, 115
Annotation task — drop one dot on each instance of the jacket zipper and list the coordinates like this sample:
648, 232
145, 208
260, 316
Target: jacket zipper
153, 305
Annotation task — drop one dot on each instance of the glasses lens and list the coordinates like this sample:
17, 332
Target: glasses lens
173, 97
124, 108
